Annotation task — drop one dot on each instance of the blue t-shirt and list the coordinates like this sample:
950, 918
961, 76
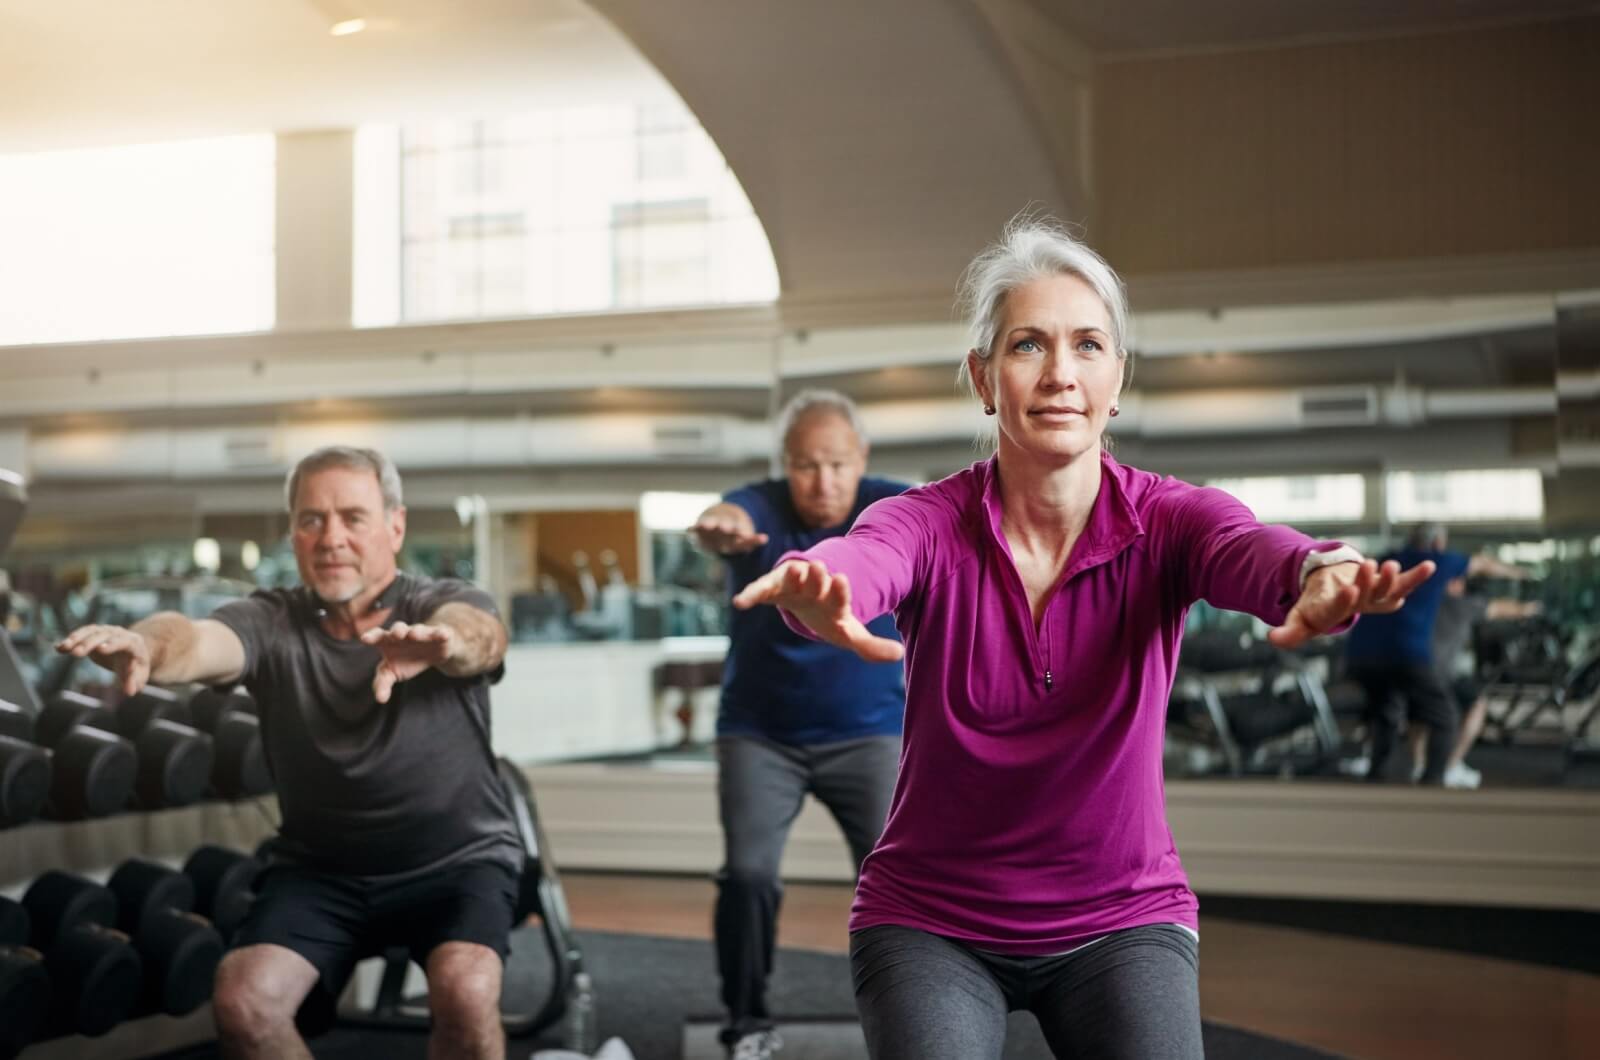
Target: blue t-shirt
776, 683
1406, 636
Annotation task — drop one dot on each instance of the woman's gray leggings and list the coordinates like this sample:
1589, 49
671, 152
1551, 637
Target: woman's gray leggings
1134, 994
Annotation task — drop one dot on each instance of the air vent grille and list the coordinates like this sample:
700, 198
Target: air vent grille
686, 439
249, 450
1345, 407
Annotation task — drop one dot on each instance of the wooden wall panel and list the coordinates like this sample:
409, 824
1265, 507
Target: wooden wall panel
561, 533
1468, 143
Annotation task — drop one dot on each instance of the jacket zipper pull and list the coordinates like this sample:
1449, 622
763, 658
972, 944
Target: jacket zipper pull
1047, 680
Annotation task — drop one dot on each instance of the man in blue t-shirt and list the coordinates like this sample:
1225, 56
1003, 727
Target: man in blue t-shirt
797, 715
1392, 656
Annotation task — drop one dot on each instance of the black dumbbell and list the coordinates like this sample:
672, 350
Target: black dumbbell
241, 764
180, 950
207, 706
224, 885
24, 772
24, 983
92, 771
174, 760
95, 973
14, 923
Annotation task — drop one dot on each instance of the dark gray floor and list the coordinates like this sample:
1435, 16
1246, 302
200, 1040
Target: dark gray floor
648, 988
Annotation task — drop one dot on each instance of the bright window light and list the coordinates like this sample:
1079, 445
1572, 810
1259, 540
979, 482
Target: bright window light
139, 241
590, 208
1493, 495
1299, 498
673, 511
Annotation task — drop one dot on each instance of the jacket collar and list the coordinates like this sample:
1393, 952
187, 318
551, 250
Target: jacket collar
1113, 524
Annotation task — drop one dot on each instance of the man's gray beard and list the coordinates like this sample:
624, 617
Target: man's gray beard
345, 599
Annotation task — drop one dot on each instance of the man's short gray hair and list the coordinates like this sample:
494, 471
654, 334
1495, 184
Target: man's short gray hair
1428, 537
353, 458
812, 401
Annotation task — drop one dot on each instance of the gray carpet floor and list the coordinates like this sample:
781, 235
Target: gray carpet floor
657, 994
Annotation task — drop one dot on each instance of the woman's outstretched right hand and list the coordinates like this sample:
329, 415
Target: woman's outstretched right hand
821, 601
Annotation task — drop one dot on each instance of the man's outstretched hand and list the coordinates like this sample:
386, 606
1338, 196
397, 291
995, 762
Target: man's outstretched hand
407, 650
122, 651
727, 533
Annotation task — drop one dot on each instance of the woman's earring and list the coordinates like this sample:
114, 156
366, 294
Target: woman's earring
1115, 409
988, 410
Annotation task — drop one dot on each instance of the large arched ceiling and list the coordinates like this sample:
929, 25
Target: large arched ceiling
882, 144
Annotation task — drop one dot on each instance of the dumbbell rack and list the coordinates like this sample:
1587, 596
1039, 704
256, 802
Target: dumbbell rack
31, 846
86, 846
123, 966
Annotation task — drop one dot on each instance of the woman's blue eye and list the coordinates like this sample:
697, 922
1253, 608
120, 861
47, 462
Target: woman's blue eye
1090, 345
1027, 346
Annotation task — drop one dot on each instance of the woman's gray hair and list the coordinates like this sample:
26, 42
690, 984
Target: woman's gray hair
1033, 246
350, 457
816, 400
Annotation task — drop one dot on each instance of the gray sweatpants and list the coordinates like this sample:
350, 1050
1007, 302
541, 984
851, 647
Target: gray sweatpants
761, 786
1133, 995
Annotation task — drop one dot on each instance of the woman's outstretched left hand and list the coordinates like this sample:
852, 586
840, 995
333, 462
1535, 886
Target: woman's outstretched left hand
821, 601
1333, 594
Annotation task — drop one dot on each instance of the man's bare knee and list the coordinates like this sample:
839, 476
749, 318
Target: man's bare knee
258, 991
464, 988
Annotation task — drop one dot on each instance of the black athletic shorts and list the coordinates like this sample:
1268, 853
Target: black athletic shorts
1465, 689
334, 921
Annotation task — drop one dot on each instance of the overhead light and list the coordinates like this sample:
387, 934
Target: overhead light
348, 26
208, 554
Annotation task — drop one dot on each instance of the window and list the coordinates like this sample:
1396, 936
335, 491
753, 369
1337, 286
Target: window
1509, 494
661, 253
585, 209
1429, 488
661, 510
664, 142
1300, 498
138, 241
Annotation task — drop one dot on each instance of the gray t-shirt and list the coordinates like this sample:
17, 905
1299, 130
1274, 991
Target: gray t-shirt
368, 789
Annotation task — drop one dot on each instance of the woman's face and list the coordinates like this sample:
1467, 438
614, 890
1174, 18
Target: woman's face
1053, 375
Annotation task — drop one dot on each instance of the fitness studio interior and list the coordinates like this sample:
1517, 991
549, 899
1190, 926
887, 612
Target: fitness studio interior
394, 394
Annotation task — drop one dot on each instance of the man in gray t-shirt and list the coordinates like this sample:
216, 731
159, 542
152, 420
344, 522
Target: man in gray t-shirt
373, 790
372, 687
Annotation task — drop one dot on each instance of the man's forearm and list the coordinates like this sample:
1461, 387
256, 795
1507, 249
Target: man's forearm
480, 639
172, 640
1483, 563
1499, 609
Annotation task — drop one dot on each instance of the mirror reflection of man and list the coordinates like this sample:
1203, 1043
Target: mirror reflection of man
1393, 656
1461, 609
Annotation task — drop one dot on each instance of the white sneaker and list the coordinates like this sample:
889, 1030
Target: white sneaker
1462, 775
759, 1045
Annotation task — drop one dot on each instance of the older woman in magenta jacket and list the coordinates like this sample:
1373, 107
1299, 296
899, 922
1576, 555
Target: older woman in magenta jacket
1041, 594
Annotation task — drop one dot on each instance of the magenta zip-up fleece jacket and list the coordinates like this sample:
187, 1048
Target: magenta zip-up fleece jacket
1030, 814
